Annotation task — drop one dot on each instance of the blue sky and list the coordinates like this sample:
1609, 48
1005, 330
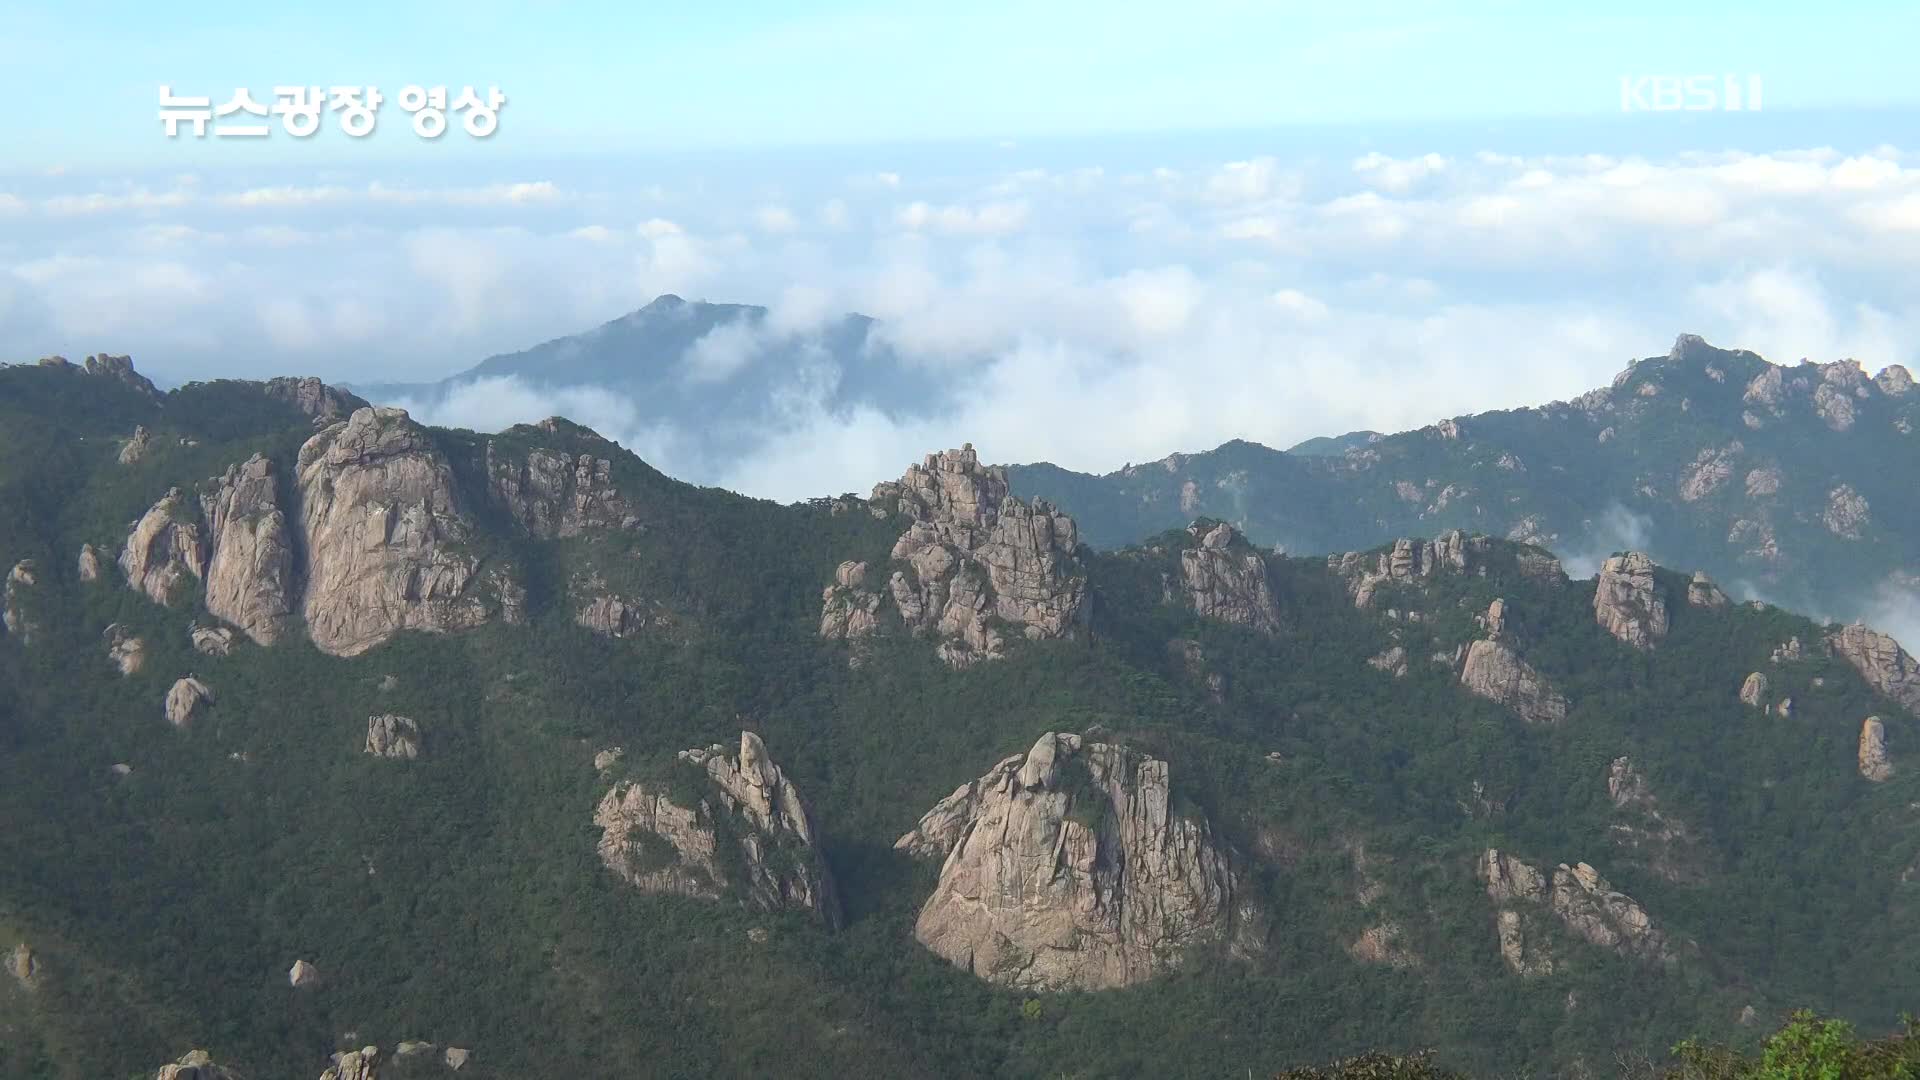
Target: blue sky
595, 77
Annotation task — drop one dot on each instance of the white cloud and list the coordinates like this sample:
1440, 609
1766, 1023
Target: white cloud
776, 219
988, 219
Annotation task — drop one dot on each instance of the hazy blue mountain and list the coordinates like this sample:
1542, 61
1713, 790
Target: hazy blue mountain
1794, 483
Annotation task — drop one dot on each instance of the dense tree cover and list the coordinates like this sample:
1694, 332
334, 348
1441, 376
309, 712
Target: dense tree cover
458, 897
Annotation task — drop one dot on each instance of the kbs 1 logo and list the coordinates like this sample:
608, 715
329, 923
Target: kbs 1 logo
1689, 93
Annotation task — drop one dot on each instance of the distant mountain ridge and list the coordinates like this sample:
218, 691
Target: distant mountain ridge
1796, 483
731, 367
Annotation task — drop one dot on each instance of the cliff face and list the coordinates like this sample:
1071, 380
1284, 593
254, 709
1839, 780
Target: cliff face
1579, 899
386, 537
1227, 581
1627, 603
553, 493
1070, 868
250, 575
165, 549
974, 565
748, 834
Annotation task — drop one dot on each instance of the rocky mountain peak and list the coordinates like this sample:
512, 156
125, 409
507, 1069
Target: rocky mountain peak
386, 537
1224, 578
120, 370
1070, 867
1628, 603
974, 562
1881, 661
316, 399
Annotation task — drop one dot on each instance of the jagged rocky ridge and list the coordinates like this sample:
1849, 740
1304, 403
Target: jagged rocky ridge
974, 564
1072, 867
748, 834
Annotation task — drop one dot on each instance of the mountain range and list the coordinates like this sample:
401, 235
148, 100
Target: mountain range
336, 744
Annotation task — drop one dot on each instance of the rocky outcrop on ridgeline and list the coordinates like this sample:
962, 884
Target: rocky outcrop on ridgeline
1493, 669
195, 1065
166, 550
395, 737
553, 493
185, 699
14, 616
849, 611
1411, 561
1703, 593
1645, 833
1628, 603
250, 574
386, 537
120, 369
315, 399
975, 564
1069, 867
126, 652
1224, 578
748, 833
1579, 899
1874, 764
1881, 661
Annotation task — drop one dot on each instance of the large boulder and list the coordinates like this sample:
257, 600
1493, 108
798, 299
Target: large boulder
127, 652
250, 574
361, 1064
1227, 581
1628, 603
14, 614
730, 824
166, 549
1494, 671
388, 542
185, 700
976, 563
1072, 867
390, 736
1874, 764
195, 1065
90, 565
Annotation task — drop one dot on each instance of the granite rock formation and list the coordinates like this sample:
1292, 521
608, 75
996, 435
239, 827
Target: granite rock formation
1069, 867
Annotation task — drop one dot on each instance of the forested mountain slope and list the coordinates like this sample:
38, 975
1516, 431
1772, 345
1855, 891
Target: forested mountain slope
529, 751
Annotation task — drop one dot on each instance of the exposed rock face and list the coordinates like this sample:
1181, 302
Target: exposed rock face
120, 369
556, 494
165, 549
1628, 602
1873, 751
1754, 691
614, 617
1590, 907
1708, 472
313, 397
1067, 867
195, 1065
136, 446
978, 560
456, 1057
127, 652
391, 736
185, 699
1393, 661
848, 610
1646, 833
1894, 380
250, 575
1580, 899
1847, 512
358, 1064
1882, 662
385, 536
302, 974
1762, 482
1225, 583
89, 563
1383, 944
211, 640
608, 758
13, 612
1493, 670
1703, 593
662, 845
